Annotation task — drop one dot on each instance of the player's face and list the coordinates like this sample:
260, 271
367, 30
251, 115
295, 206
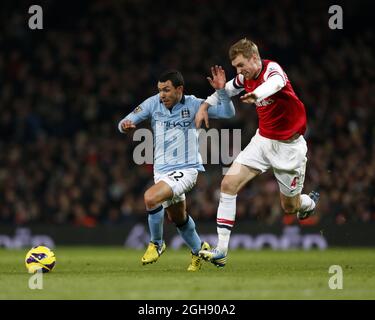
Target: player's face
169, 94
249, 68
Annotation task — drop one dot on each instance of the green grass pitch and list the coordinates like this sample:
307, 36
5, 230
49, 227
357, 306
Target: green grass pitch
116, 273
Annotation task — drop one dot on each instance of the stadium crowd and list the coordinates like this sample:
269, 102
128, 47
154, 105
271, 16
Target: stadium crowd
63, 90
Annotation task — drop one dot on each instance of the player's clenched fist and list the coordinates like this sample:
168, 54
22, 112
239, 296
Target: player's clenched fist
127, 125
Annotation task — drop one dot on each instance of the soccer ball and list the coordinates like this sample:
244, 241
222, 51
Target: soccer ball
40, 258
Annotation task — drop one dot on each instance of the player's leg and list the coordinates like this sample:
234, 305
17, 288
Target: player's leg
248, 164
290, 175
186, 228
153, 198
290, 205
157, 194
308, 205
237, 176
301, 204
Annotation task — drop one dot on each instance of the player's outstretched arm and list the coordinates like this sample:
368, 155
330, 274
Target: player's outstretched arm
218, 79
273, 84
218, 82
139, 114
202, 116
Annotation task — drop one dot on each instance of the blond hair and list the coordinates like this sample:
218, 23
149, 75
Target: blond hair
245, 47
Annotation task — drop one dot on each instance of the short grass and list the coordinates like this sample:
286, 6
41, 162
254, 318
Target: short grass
116, 273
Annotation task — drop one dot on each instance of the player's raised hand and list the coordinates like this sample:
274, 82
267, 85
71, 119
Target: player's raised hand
218, 79
202, 115
127, 126
249, 97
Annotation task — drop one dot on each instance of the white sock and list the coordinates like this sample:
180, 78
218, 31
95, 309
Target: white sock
307, 203
226, 214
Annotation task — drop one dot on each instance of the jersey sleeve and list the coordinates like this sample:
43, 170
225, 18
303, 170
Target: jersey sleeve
274, 69
238, 82
274, 80
140, 113
232, 87
224, 108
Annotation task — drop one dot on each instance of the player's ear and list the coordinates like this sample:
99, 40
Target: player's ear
180, 89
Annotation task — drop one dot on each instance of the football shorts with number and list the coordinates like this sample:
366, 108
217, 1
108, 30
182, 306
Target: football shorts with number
180, 181
287, 159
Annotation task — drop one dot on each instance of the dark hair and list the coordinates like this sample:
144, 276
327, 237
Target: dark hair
174, 76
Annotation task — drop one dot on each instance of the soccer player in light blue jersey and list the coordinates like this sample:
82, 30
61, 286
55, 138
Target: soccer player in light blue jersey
176, 157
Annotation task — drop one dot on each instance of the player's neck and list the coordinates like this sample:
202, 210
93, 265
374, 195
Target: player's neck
257, 73
178, 100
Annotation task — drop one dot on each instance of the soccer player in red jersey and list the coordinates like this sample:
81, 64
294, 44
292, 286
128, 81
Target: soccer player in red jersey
278, 143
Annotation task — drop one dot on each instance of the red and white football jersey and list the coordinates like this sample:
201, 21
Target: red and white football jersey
282, 114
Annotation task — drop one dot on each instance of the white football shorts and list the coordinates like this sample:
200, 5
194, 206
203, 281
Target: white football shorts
180, 181
287, 159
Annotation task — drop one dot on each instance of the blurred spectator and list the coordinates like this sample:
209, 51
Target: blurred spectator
64, 89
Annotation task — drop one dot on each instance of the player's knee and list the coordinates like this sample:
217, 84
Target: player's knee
150, 200
228, 187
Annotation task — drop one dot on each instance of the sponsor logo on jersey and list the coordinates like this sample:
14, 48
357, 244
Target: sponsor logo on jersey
174, 124
264, 103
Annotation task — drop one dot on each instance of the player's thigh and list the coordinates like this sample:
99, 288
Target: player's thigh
290, 204
158, 193
236, 177
177, 212
180, 181
291, 180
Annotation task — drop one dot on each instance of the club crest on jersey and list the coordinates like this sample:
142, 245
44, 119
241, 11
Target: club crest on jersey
185, 113
138, 109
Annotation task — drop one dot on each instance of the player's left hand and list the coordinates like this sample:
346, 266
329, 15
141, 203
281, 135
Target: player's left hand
218, 79
249, 98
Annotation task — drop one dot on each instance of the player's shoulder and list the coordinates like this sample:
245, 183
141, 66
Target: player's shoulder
269, 64
152, 101
271, 68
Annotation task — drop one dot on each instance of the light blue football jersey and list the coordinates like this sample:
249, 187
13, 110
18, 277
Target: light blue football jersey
175, 136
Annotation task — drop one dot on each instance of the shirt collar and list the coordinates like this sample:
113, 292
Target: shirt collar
182, 101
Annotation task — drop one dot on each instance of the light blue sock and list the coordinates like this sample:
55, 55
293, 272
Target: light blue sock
189, 234
155, 224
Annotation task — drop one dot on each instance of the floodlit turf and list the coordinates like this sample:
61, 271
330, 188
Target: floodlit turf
116, 273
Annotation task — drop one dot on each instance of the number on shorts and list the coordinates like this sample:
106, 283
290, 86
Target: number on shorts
177, 176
